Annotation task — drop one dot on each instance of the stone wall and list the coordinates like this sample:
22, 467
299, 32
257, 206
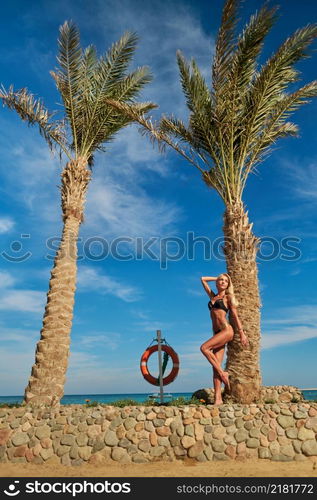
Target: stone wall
75, 434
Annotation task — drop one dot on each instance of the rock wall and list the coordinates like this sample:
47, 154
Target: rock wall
75, 434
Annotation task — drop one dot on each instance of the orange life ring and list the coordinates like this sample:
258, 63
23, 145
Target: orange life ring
144, 369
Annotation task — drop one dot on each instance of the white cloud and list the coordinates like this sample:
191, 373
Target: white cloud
6, 224
29, 171
110, 341
305, 315
288, 336
133, 156
196, 292
140, 314
19, 335
302, 176
153, 325
293, 324
22, 300
92, 279
6, 279
116, 210
304, 180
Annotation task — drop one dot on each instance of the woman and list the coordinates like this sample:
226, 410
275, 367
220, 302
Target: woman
214, 348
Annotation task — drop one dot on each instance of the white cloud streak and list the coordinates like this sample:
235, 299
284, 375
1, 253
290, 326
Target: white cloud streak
115, 210
92, 279
6, 224
305, 315
6, 279
110, 341
22, 300
288, 336
293, 324
19, 335
304, 179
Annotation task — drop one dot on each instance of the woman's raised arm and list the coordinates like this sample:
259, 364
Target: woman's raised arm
204, 280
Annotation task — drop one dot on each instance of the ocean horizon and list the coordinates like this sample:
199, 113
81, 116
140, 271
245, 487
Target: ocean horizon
67, 399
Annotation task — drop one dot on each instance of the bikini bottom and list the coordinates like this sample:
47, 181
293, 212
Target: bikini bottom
223, 326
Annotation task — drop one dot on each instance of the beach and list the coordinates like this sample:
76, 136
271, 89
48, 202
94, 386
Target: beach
177, 468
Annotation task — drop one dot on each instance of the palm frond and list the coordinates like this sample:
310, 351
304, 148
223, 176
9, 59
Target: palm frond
105, 118
249, 46
130, 86
34, 112
274, 77
68, 75
111, 121
111, 67
152, 130
120, 54
199, 102
214, 178
225, 44
89, 63
108, 75
193, 84
276, 126
176, 128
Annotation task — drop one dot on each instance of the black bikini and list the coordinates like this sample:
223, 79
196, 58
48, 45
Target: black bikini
218, 304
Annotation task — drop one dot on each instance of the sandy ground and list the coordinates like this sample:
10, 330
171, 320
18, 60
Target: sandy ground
185, 468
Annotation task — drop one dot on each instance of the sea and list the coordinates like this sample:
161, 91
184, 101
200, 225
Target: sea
309, 395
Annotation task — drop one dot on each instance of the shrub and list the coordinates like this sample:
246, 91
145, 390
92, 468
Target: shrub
181, 401
121, 403
92, 403
294, 399
10, 405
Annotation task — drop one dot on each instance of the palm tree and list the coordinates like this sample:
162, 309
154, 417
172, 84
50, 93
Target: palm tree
230, 130
84, 82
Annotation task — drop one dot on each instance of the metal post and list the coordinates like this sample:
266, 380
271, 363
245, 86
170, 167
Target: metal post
158, 334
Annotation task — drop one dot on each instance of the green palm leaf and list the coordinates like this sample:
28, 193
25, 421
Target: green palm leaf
34, 112
107, 74
270, 83
69, 73
106, 120
276, 127
225, 44
193, 84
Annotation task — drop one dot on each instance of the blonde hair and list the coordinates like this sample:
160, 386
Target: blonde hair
229, 291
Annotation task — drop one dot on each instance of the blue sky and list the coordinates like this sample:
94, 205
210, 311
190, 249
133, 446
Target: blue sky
138, 193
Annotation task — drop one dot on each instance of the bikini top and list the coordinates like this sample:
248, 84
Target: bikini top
218, 304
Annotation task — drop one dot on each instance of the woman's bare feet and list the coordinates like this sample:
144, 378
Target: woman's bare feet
225, 379
218, 402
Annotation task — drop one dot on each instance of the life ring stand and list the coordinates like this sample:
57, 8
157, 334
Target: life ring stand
144, 369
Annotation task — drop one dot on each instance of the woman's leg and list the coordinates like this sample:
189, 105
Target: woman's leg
219, 353
217, 341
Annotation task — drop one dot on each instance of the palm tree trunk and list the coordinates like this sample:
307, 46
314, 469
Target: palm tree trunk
46, 383
240, 250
